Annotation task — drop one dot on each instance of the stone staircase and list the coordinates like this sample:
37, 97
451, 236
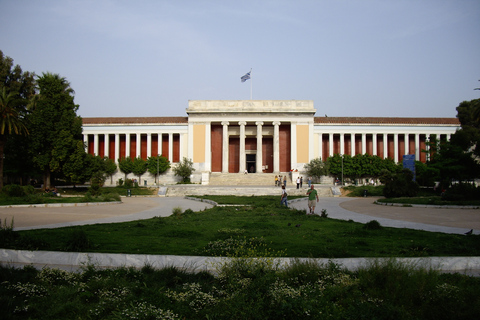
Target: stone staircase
240, 179
199, 190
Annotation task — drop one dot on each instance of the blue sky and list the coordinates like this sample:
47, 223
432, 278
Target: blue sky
398, 58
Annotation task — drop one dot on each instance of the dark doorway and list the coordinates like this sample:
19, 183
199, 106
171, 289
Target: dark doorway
251, 162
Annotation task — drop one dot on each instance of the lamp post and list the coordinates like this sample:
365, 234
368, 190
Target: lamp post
342, 170
158, 156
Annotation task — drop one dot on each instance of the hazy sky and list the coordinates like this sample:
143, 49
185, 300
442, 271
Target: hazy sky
398, 58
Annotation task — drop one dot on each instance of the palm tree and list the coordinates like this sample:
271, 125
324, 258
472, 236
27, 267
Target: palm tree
10, 122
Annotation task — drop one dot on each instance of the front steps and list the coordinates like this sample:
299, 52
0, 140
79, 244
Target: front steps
198, 190
249, 179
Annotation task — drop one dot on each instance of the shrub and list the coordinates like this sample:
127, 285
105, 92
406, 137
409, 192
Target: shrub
78, 241
13, 190
372, 225
401, 185
461, 192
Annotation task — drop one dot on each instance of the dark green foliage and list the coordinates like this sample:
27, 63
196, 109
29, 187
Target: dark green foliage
125, 164
462, 192
372, 191
302, 290
54, 126
13, 190
316, 168
184, 169
372, 225
77, 241
401, 185
157, 165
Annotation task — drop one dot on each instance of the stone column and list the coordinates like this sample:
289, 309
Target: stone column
276, 146
85, 142
320, 146
364, 143
170, 147
106, 147
352, 144
242, 146
330, 144
138, 151
95, 144
208, 147
159, 145
342, 143
117, 147
225, 145
149, 145
406, 140
417, 147
374, 143
127, 145
259, 160
395, 147
385, 145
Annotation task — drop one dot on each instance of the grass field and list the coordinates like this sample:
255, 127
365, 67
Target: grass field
281, 229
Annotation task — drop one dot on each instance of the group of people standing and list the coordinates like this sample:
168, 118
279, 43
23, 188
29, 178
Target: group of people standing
280, 181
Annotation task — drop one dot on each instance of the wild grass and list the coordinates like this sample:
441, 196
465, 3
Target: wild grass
301, 290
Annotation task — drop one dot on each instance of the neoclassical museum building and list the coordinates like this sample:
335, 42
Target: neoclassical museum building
257, 137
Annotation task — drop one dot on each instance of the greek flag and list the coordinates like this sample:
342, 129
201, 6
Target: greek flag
246, 77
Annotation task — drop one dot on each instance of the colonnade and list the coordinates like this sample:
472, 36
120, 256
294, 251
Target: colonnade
259, 134
378, 143
101, 144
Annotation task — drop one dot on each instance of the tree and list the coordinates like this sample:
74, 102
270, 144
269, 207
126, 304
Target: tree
77, 168
55, 126
125, 165
184, 169
316, 168
157, 165
401, 185
139, 168
16, 88
110, 167
10, 122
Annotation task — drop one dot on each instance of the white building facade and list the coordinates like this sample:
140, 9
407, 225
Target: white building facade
258, 136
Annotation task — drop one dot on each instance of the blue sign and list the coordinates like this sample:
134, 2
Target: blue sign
409, 163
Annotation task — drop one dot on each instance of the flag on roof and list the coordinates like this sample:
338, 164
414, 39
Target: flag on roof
246, 77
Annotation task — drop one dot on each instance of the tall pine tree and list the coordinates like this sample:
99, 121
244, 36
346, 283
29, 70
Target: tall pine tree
55, 126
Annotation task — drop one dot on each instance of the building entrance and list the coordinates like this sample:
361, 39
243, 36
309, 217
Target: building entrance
251, 162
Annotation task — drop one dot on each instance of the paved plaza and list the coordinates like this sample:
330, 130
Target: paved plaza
451, 220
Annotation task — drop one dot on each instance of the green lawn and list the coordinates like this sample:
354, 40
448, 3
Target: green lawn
282, 229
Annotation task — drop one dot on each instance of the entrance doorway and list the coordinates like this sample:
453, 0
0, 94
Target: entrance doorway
251, 164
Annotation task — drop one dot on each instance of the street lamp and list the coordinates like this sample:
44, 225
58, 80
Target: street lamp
342, 170
158, 157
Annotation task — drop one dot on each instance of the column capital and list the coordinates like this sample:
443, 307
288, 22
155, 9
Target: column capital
276, 123
259, 123
225, 123
242, 123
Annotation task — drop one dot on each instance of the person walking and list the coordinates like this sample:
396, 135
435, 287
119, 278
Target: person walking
312, 194
298, 182
309, 180
285, 181
301, 182
283, 199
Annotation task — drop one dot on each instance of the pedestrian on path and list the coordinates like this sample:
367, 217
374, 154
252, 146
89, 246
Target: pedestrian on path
285, 181
312, 194
298, 182
283, 199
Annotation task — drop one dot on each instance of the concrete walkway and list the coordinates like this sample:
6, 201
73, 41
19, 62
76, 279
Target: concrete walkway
457, 221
